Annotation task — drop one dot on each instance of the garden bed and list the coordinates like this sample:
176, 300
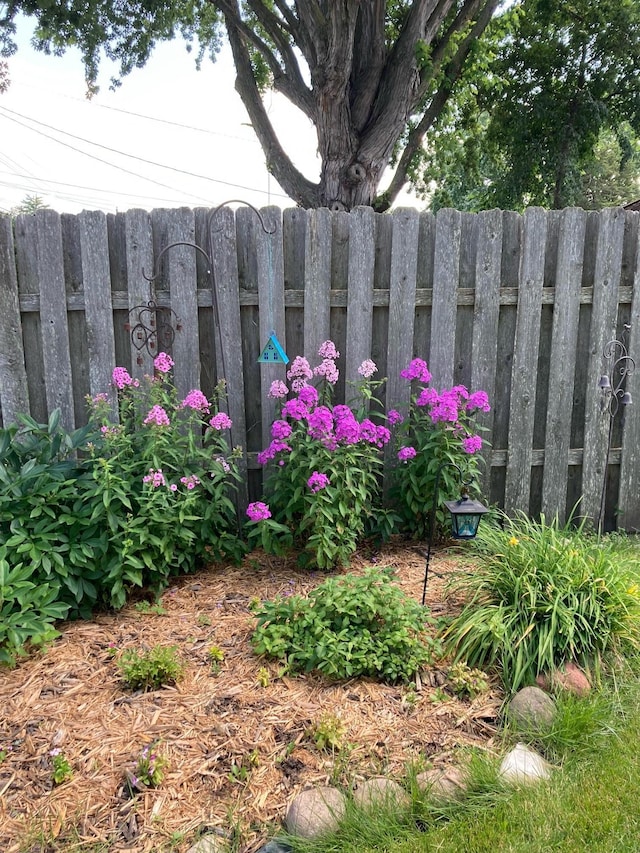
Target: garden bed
237, 743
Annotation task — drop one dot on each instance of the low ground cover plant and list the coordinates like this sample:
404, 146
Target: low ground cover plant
150, 669
349, 626
542, 594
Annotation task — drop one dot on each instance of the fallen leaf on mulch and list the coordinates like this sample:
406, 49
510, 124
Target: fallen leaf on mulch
237, 752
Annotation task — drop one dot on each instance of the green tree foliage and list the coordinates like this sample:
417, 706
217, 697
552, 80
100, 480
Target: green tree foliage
505, 116
548, 111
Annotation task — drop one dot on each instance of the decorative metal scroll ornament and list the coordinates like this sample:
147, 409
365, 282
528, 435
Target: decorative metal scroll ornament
612, 385
153, 327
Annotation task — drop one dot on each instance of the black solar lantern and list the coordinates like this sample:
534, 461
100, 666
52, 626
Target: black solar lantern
465, 516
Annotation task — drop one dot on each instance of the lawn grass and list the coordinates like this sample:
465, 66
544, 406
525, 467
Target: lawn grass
590, 804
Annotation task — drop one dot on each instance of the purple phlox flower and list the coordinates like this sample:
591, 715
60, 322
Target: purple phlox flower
220, 421
295, 409
368, 431
280, 429
328, 370
276, 446
222, 461
173, 487
416, 369
472, 443
406, 453
427, 397
328, 350
367, 368
383, 436
158, 416
190, 481
446, 409
300, 369
163, 362
55, 751
156, 478
108, 431
297, 385
195, 399
278, 389
394, 417
347, 428
321, 423
258, 511
317, 481
461, 391
120, 378
102, 397
478, 400
308, 395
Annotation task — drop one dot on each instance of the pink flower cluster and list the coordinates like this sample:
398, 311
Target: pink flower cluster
163, 362
196, 400
317, 481
156, 478
120, 378
220, 421
406, 453
190, 481
258, 511
158, 416
367, 368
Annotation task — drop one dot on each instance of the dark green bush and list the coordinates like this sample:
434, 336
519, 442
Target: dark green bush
348, 626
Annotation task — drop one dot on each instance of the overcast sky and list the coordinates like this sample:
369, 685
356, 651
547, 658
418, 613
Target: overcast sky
169, 136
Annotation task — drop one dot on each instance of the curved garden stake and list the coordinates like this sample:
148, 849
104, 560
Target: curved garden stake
612, 386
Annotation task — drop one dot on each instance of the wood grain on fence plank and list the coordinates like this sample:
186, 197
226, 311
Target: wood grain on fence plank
562, 361
270, 259
446, 270
604, 310
14, 391
402, 288
53, 316
486, 314
629, 493
139, 262
229, 338
96, 283
525, 361
362, 235
317, 281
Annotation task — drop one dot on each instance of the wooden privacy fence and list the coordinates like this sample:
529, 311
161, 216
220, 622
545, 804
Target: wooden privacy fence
519, 305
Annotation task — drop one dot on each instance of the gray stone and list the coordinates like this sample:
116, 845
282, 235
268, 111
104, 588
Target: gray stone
524, 766
380, 790
209, 844
274, 847
443, 784
532, 707
315, 812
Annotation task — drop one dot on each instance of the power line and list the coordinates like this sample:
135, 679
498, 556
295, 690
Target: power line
4, 110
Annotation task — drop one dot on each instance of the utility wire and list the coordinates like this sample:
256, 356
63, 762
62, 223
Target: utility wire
4, 110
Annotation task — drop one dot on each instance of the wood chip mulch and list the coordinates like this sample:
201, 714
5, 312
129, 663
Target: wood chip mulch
237, 749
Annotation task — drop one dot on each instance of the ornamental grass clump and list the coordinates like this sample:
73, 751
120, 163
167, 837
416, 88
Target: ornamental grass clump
324, 463
353, 625
540, 595
437, 434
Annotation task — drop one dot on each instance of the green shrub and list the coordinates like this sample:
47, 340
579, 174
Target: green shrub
540, 595
150, 669
348, 626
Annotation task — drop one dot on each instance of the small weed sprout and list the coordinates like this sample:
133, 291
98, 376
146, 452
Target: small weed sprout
204, 620
264, 679
151, 669
410, 699
62, 770
438, 696
216, 657
149, 769
240, 770
327, 733
147, 608
466, 682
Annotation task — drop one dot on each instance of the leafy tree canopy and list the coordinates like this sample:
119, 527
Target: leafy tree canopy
553, 120
508, 115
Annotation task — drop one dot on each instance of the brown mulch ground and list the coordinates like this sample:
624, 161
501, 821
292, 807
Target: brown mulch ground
70, 697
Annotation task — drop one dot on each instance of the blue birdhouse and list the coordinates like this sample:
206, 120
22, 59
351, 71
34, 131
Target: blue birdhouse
273, 352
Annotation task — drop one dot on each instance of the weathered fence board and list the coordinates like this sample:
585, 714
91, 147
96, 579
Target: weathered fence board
520, 306
525, 360
13, 375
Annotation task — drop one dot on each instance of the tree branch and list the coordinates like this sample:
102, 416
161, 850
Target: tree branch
292, 181
452, 73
